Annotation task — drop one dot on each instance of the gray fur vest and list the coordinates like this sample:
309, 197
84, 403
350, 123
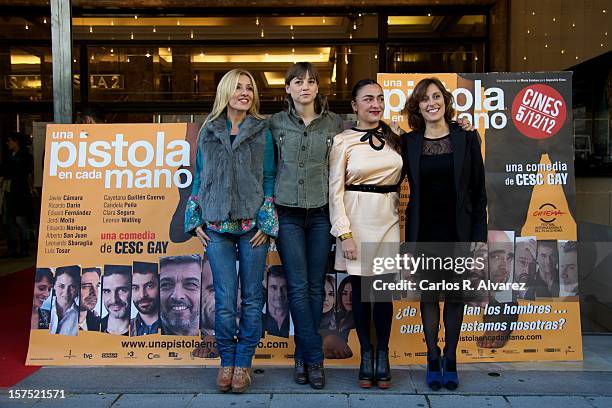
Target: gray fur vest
232, 173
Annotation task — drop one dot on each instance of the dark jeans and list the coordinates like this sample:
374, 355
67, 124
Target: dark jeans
304, 243
236, 344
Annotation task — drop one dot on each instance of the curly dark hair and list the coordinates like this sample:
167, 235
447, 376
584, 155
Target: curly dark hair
415, 119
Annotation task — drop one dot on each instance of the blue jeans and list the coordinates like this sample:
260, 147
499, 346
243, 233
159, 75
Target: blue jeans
304, 243
236, 344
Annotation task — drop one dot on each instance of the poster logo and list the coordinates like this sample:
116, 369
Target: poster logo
539, 111
548, 213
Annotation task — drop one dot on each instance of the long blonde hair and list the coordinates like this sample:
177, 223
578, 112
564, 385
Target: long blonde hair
225, 90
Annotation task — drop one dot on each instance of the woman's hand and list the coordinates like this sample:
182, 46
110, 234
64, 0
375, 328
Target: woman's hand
204, 239
259, 238
465, 124
395, 127
349, 249
335, 346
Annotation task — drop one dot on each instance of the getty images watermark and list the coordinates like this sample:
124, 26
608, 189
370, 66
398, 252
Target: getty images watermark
503, 270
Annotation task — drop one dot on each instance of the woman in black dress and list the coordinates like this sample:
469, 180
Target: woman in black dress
447, 204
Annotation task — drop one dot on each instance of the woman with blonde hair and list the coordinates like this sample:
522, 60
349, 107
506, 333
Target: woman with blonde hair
232, 213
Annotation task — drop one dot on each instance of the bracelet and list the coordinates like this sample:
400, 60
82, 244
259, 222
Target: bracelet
346, 236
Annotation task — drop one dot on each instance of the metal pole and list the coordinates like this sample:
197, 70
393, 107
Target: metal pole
61, 40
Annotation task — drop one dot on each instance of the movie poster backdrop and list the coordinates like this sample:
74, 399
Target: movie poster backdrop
113, 204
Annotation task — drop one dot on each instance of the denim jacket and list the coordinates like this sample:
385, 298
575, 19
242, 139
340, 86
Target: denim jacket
302, 153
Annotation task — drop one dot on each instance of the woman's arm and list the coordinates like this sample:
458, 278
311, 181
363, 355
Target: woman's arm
340, 223
193, 212
269, 171
267, 219
477, 190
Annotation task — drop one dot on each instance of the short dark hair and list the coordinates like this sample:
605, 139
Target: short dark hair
110, 270
276, 271
94, 269
179, 260
144, 267
570, 246
550, 244
44, 273
74, 271
415, 118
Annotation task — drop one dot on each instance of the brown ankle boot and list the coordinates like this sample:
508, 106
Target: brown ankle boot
316, 376
224, 378
241, 380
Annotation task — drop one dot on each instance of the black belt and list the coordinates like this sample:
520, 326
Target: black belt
371, 188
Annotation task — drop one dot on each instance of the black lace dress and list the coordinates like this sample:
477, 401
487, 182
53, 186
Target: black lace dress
437, 222
437, 218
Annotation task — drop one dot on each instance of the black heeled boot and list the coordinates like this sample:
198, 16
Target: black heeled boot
299, 373
316, 375
366, 369
383, 370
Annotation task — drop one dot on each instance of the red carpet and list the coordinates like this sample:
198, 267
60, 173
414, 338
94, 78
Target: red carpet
16, 291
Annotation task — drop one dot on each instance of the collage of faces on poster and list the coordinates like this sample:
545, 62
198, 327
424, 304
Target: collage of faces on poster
176, 295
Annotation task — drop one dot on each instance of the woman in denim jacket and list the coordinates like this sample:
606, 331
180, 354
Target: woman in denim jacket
303, 135
231, 211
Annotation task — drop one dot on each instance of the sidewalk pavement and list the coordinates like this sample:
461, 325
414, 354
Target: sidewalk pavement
532, 385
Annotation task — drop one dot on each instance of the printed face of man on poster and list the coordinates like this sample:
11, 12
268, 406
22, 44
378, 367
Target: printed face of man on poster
568, 268
180, 289
501, 263
277, 320
525, 260
547, 259
145, 296
90, 285
116, 294
89, 295
208, 300
501, 256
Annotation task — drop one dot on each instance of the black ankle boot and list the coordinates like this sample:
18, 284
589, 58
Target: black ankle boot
383, 370
299, 373
366, 369
316, 375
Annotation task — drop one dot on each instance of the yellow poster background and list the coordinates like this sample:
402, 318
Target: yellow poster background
156, 207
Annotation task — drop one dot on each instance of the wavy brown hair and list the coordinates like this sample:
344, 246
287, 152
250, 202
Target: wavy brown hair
415, 119
390, 136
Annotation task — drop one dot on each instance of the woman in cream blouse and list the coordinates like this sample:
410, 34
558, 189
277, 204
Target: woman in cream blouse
365, 167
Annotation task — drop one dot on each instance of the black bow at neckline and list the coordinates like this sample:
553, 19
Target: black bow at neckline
370, 135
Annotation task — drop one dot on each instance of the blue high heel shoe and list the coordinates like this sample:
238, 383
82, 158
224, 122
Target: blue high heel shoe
433, 377
450, 379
